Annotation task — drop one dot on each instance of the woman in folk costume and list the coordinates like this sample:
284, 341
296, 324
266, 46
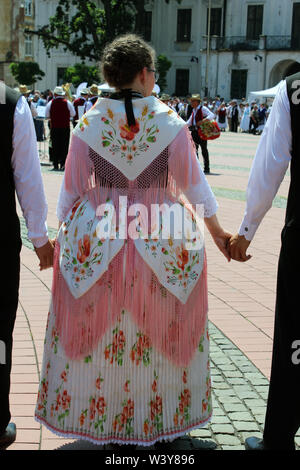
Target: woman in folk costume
222, 117
126, 349
245, 121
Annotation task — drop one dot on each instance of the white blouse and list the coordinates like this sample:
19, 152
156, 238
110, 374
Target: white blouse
27, 175
269, 166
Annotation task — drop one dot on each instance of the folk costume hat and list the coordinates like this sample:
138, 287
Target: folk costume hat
196, 97
58, 90
23, 89
94, 90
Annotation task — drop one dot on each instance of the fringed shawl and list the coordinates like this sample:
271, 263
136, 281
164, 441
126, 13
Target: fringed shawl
159, 282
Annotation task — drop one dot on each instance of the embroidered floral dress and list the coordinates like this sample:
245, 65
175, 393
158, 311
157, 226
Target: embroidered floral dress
126, 356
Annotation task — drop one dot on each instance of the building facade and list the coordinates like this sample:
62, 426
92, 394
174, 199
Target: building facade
16, 16
224, 47
227, 47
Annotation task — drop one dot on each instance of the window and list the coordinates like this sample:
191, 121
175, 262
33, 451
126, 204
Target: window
215, 21
184, 21
60, 75
238, 84
295, 40
182, 82
148, 26
28, 8
254, 21
28, 46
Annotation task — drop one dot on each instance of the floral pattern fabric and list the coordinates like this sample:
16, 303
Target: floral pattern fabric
84, 257
130, 148
125, 391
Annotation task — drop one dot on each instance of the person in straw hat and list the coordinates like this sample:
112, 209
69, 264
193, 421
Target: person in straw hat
198, 114
59, 110
93, 96
26, 92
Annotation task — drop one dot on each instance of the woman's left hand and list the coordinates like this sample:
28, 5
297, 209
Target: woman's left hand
222, 240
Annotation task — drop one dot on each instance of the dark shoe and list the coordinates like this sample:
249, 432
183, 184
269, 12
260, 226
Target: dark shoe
206, 172
185, 443
8, 437
254, 443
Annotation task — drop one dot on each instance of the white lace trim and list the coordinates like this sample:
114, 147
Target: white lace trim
70, 435
210, 207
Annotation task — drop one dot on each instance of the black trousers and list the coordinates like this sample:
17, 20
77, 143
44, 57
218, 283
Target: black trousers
8, 307
60, 145
203, 145
234, 124
283, 407
253, 126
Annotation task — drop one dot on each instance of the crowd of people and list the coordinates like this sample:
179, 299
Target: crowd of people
62, 109
233, 115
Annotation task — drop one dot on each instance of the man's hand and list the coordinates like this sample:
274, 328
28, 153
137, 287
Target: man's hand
237, 248
45, 255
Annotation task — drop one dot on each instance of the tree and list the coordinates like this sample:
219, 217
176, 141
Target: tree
91, 27
26, 73
163, 65
82, 73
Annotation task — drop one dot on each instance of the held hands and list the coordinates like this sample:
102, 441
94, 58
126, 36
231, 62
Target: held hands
221, 240
237, 248
45, 254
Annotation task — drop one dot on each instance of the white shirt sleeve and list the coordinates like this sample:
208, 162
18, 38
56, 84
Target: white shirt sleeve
271, 161
207, 114
27, 175
71, 109
47, 111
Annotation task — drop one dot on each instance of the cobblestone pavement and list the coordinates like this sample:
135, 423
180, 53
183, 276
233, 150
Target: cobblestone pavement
241, 313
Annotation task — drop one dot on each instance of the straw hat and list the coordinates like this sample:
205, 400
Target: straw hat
94, 90
58, 90
195, 97
165, 97
23, 89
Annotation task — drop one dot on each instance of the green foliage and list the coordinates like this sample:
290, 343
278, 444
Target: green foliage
26, 73
82, 73
83, 28
163, 64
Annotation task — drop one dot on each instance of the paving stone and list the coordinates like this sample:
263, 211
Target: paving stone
245, 426
222, 428
222, 419
227, 439
254, 403
240, 416
221, 385
240, 447
234, 407
200, 433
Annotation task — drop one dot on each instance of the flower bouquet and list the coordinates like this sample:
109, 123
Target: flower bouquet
208, 130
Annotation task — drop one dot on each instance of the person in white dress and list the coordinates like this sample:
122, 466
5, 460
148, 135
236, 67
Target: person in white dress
245, 121
126, 350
